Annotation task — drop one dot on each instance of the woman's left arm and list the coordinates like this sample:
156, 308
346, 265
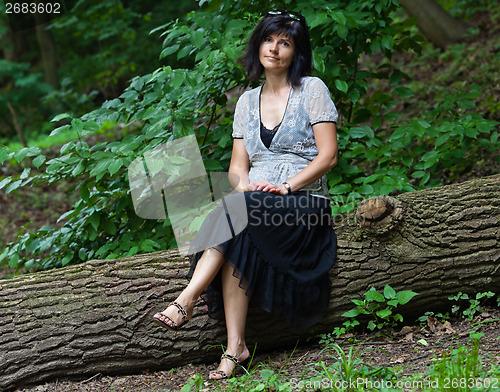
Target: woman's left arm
325, 134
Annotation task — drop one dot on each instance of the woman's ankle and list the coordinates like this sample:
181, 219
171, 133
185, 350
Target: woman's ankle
238, 349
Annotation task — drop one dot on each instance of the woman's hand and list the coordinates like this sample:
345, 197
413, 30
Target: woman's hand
266, 186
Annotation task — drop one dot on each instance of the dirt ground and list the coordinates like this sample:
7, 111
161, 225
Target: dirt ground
402, 353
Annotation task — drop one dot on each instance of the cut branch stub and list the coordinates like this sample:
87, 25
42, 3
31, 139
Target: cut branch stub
380, 214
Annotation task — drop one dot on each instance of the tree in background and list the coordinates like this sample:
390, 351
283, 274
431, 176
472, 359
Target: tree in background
77, 60
437, 25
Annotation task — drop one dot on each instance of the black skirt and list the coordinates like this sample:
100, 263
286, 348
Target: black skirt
281, 257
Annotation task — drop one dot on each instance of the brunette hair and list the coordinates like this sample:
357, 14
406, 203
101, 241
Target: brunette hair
281, 22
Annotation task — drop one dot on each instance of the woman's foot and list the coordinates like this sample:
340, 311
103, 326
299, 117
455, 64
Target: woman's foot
174, 316
228, 363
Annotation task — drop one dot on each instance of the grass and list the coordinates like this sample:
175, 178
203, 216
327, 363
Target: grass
458, 369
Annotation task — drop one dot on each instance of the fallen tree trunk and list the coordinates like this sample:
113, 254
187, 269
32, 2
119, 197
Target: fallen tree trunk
96, 317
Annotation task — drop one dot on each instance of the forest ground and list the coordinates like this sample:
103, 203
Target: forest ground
401, 351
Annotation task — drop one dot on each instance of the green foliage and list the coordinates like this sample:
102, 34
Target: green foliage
174, 102
472, 305
461, 369
440, 316
21, 88
348, 371
458, 368
378, 155
464, 9
381, 306
194, 384
100, 46
449, 139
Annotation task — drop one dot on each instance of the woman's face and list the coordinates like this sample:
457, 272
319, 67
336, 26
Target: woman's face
276, 52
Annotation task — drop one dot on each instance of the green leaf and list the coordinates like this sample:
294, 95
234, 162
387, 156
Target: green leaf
384, 313
4, 254
360, 132
59, 130
4, 154
373, 295
318, 62
26, 152
78, 168
82, 254
25, 173
14, 260
67, 258
84, 192
403, 92
5, 181
38, 161
178, 79
366, 189
115, 166
404, 297
109, 227
338, 17
351, 313
60, 117
197, 38
342, 31
387, 42
94, 220
341, 85
423, 342
340, 189
393, 302
13, 186
389, 292
100, 169
149, 245
82, 148
430, 158
169, 50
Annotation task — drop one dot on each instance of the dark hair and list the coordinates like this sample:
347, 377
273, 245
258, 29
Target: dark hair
293, 26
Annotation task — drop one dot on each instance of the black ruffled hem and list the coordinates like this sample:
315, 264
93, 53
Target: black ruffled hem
283, 268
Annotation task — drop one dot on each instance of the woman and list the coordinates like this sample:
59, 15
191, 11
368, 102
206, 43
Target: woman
284, 143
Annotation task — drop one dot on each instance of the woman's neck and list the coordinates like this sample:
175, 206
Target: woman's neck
275, 84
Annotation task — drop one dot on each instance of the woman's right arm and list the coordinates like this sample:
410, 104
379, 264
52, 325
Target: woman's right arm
239, 167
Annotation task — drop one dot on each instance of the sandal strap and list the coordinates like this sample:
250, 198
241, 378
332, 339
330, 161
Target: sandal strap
232, 358
180, 308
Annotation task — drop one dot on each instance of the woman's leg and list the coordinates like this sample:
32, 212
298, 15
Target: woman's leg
206, 269
235, 310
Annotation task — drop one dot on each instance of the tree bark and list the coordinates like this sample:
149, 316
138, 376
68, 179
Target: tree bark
435, 23
96, 317
48, 50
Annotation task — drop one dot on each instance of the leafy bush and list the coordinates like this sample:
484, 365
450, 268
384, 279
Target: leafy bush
170, 103
381, 307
